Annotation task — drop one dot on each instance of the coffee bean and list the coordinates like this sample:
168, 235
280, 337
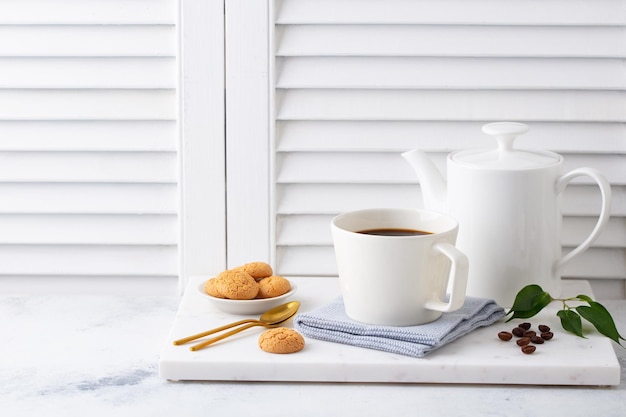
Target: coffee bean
518, 331
529, 333
505, 336
527, 336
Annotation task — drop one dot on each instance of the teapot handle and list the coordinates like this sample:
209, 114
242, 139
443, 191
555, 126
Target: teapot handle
605, 190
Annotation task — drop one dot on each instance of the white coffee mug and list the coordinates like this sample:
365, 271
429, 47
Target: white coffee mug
398, 280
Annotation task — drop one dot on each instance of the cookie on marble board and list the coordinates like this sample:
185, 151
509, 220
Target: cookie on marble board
281, 340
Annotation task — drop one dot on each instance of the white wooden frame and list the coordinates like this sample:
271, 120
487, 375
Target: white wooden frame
212, 208
202, 248
248, 131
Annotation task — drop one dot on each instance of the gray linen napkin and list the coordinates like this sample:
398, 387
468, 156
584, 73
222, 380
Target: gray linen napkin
331, 323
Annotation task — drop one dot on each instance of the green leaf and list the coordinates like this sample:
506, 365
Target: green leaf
601, 319
571, 322
529, 301
583, 297
525, 298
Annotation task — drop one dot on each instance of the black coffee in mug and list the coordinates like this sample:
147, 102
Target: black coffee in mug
394, 232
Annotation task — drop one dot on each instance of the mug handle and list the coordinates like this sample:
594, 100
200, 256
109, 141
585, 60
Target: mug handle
457, 278
605, 190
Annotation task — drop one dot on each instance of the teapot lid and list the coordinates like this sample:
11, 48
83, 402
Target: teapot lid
505, 156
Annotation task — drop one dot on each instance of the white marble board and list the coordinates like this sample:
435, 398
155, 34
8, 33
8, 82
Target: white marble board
477, 358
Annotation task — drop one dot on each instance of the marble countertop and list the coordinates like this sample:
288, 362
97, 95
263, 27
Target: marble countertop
72, 355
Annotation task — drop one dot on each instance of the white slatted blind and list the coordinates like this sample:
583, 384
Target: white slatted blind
88, 142
353, 83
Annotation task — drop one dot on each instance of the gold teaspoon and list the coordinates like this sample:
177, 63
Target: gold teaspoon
275, 315
280, 314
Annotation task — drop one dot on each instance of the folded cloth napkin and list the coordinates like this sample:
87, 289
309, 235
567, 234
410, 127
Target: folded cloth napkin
331, 323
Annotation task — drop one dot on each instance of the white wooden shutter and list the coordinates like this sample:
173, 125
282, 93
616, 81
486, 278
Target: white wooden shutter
89, 144
353, 83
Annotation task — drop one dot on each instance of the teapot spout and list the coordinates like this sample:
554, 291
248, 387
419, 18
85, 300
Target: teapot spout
431, 180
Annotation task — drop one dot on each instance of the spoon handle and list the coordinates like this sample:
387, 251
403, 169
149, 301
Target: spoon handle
208, 332
225, 335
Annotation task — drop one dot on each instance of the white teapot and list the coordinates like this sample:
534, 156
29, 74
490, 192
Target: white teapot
508, 205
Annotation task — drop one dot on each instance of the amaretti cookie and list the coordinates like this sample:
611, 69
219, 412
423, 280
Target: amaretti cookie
273, 286
236, 285
254, 280
256, 269
209, 288
281, 340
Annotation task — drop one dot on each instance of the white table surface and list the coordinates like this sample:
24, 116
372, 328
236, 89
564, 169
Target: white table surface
98, 356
